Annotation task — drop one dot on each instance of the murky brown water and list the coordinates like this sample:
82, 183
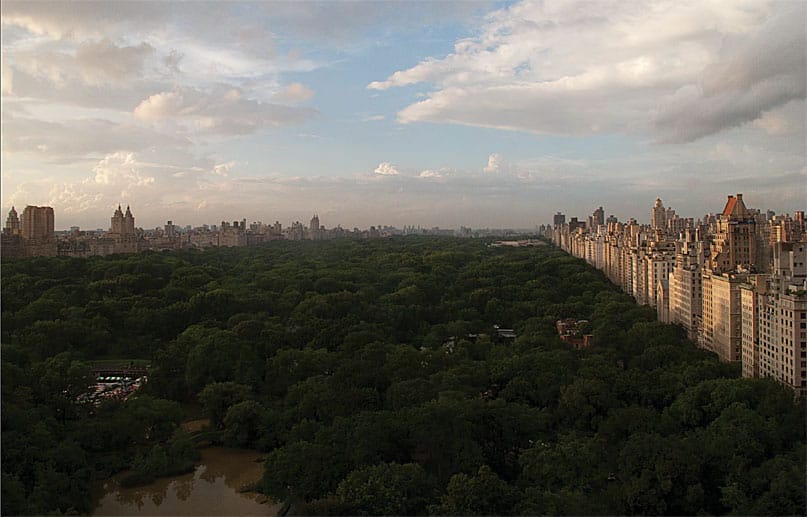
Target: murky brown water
212, 489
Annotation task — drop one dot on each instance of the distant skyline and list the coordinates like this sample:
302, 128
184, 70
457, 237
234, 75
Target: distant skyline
475, 113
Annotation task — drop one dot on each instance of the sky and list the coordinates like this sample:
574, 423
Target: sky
474, 113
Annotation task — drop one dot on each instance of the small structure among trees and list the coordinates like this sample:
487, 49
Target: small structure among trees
572, 331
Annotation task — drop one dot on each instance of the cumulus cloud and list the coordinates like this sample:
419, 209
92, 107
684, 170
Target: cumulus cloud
682, 70
295, 92
159, 105
495, 163
120, 168
117, 178
386, 169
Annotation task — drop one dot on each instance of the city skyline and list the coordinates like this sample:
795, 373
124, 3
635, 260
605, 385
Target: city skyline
483, 114
658, 215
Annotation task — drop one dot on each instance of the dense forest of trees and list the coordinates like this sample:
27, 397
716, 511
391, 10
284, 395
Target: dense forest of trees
372, 375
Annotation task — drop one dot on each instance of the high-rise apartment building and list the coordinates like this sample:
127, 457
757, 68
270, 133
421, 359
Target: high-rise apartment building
37, 231
12, 223
658, 216
11, 243
686, 296
38, 224
754, 303
722, 313
122, 226
597, 218
737, 282
781, 319
735, 241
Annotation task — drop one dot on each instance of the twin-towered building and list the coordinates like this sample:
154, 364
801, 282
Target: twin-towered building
736, 281
34, 235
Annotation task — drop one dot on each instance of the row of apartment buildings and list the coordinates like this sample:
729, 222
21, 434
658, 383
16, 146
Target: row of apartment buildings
33, 235
736, 281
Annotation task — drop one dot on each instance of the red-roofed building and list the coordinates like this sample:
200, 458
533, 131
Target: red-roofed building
735, 242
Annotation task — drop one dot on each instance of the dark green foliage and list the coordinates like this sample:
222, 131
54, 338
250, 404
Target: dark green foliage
372, 374
175, 457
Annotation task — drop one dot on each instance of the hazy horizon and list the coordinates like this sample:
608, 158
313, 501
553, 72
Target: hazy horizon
475, 113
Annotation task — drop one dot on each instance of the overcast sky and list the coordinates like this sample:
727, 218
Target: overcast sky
484, 114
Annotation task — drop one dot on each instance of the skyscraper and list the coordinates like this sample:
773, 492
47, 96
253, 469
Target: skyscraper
37, 231
658, 216
38, 224
735, 239
12, 223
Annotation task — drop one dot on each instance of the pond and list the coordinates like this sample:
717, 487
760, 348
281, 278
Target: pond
213, 488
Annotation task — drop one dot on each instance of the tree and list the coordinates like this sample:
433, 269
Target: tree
217, 398
482, 494
386, 489
242, 424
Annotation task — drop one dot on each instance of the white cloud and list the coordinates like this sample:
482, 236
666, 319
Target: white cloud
223, 110
120, 169
496, 163
681, 70
428, 173
386, 169
373, 118
295, 92
160, 105
223, 169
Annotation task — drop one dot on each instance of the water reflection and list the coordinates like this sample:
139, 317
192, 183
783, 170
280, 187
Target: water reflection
212, 489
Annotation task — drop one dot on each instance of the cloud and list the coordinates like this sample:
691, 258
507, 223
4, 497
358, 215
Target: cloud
753, 75
78, 139
160, 105
495, 163
6, 77
295, 92
680, 71
386, 169
373, 118
222, 111
120, 169
172, 61
775, 123
102, 60
223, 169
427, 173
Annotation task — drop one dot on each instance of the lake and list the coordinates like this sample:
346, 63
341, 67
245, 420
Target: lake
211, 489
